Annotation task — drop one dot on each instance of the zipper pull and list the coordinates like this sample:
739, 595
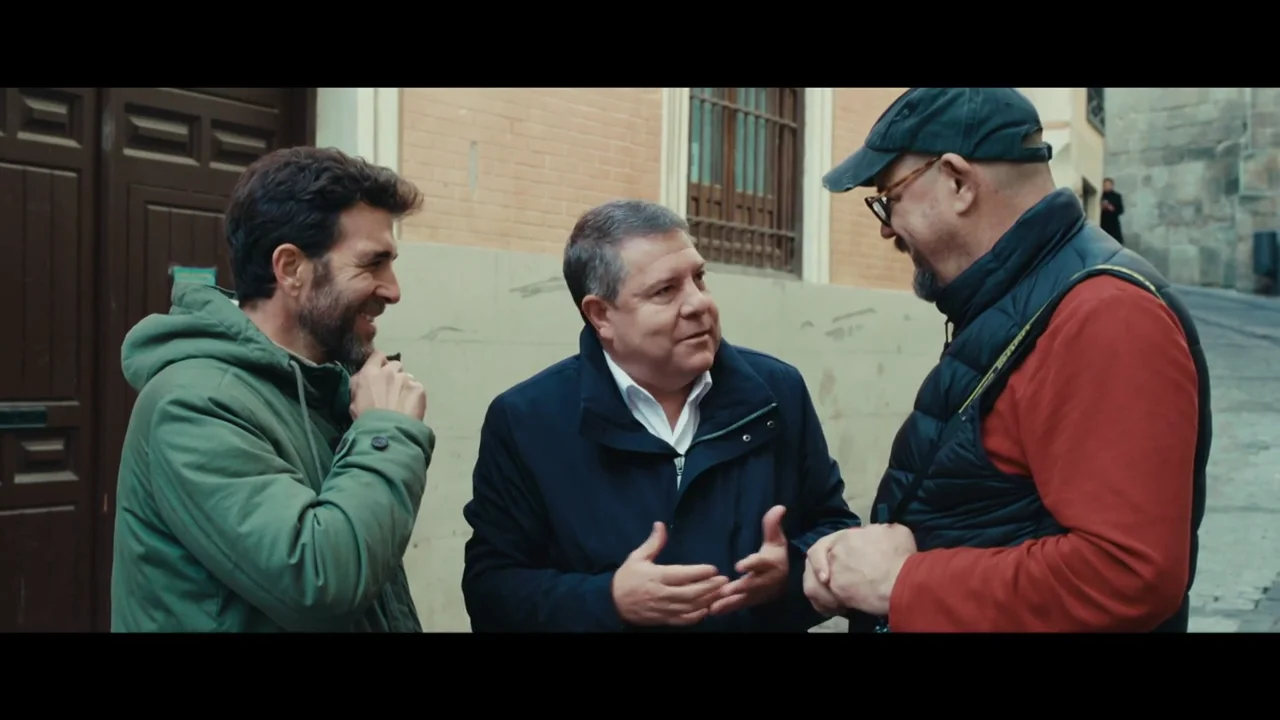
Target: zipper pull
679, 470
947, 330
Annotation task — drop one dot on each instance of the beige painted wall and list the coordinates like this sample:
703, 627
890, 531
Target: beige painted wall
505, 174
1090, 148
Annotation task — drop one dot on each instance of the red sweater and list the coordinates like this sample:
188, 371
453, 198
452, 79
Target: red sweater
1103, 415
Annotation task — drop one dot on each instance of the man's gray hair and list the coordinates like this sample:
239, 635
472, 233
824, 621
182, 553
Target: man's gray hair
592, 264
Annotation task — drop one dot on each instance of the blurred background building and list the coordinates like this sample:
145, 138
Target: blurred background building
1199, 169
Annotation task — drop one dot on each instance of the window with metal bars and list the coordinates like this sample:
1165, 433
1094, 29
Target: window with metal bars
1097, 107
745, 171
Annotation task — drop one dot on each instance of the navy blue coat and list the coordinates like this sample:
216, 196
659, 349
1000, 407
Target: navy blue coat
568, 483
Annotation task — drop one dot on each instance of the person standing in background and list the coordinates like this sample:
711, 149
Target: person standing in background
1112, 209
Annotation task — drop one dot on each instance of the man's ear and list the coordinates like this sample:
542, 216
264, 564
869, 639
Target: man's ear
290, 267
597, 312
959, 174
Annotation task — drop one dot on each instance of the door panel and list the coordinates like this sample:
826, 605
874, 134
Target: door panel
167, 228
47, 291
102, 191
171, 157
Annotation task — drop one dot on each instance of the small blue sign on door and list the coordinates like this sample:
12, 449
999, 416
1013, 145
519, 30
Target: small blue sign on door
198, 275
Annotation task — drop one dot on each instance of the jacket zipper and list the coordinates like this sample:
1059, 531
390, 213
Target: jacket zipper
679, 460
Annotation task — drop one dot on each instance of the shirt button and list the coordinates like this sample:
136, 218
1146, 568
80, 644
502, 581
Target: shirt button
379, 442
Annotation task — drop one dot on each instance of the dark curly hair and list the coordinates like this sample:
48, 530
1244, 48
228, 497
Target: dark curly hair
296, 195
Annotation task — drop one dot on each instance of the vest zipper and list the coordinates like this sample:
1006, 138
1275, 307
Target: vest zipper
679, 471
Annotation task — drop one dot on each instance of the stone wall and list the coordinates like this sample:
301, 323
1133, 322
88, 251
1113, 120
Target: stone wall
1198, 171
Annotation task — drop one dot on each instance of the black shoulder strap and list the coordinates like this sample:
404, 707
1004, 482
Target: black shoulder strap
1009, 360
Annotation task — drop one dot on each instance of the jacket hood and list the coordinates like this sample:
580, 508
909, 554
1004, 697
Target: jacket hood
204, 322
207, 322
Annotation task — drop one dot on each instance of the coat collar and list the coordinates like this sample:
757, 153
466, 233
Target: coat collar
1033, 239
736, 392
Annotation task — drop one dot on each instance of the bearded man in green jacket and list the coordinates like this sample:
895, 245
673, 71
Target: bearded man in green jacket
274, 462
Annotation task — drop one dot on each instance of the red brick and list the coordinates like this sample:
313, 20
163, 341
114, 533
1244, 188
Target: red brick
543, 157
859, 256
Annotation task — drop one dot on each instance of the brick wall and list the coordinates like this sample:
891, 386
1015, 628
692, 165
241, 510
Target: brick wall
859, 256
513, 169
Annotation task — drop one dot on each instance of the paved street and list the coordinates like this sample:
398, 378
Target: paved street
1237, 585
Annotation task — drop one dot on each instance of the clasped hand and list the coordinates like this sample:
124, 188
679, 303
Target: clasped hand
648, 594
857, 568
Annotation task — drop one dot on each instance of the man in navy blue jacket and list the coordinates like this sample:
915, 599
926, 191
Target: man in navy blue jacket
659, 479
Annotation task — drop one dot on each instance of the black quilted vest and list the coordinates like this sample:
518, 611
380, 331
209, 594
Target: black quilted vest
998, 308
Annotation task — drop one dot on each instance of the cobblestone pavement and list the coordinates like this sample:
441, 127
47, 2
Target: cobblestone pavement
1237, 587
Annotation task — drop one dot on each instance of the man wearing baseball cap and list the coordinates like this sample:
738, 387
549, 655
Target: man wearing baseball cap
1051, 476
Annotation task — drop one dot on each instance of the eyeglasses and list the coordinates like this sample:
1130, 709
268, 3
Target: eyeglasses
879, 203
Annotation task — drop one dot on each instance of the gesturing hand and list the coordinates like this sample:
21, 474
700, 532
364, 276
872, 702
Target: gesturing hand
764, 572
650, 594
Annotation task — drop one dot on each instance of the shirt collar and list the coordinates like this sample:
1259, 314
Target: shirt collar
630, 389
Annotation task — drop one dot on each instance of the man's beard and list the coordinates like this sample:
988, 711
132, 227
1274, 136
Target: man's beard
924, 282
926, 285
329, 319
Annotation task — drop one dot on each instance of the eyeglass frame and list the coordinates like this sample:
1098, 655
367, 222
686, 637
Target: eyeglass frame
880, 202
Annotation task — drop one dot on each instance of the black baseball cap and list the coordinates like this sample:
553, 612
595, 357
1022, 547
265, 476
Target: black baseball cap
977, 124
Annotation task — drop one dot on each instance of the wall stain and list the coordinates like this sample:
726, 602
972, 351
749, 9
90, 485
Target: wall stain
855, 313
551, 284
436, 332
826, 387
843, 333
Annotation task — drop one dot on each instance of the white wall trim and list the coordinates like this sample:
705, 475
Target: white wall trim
819, 112
360, 121
819, 140
364, 122
387, 127
673, 188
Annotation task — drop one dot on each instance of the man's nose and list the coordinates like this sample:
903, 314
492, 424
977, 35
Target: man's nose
390, 291
887, 232
697, 302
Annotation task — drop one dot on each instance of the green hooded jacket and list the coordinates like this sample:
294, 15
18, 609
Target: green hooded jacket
248, 501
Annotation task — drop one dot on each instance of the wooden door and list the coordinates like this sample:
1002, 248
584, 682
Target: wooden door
48, 290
